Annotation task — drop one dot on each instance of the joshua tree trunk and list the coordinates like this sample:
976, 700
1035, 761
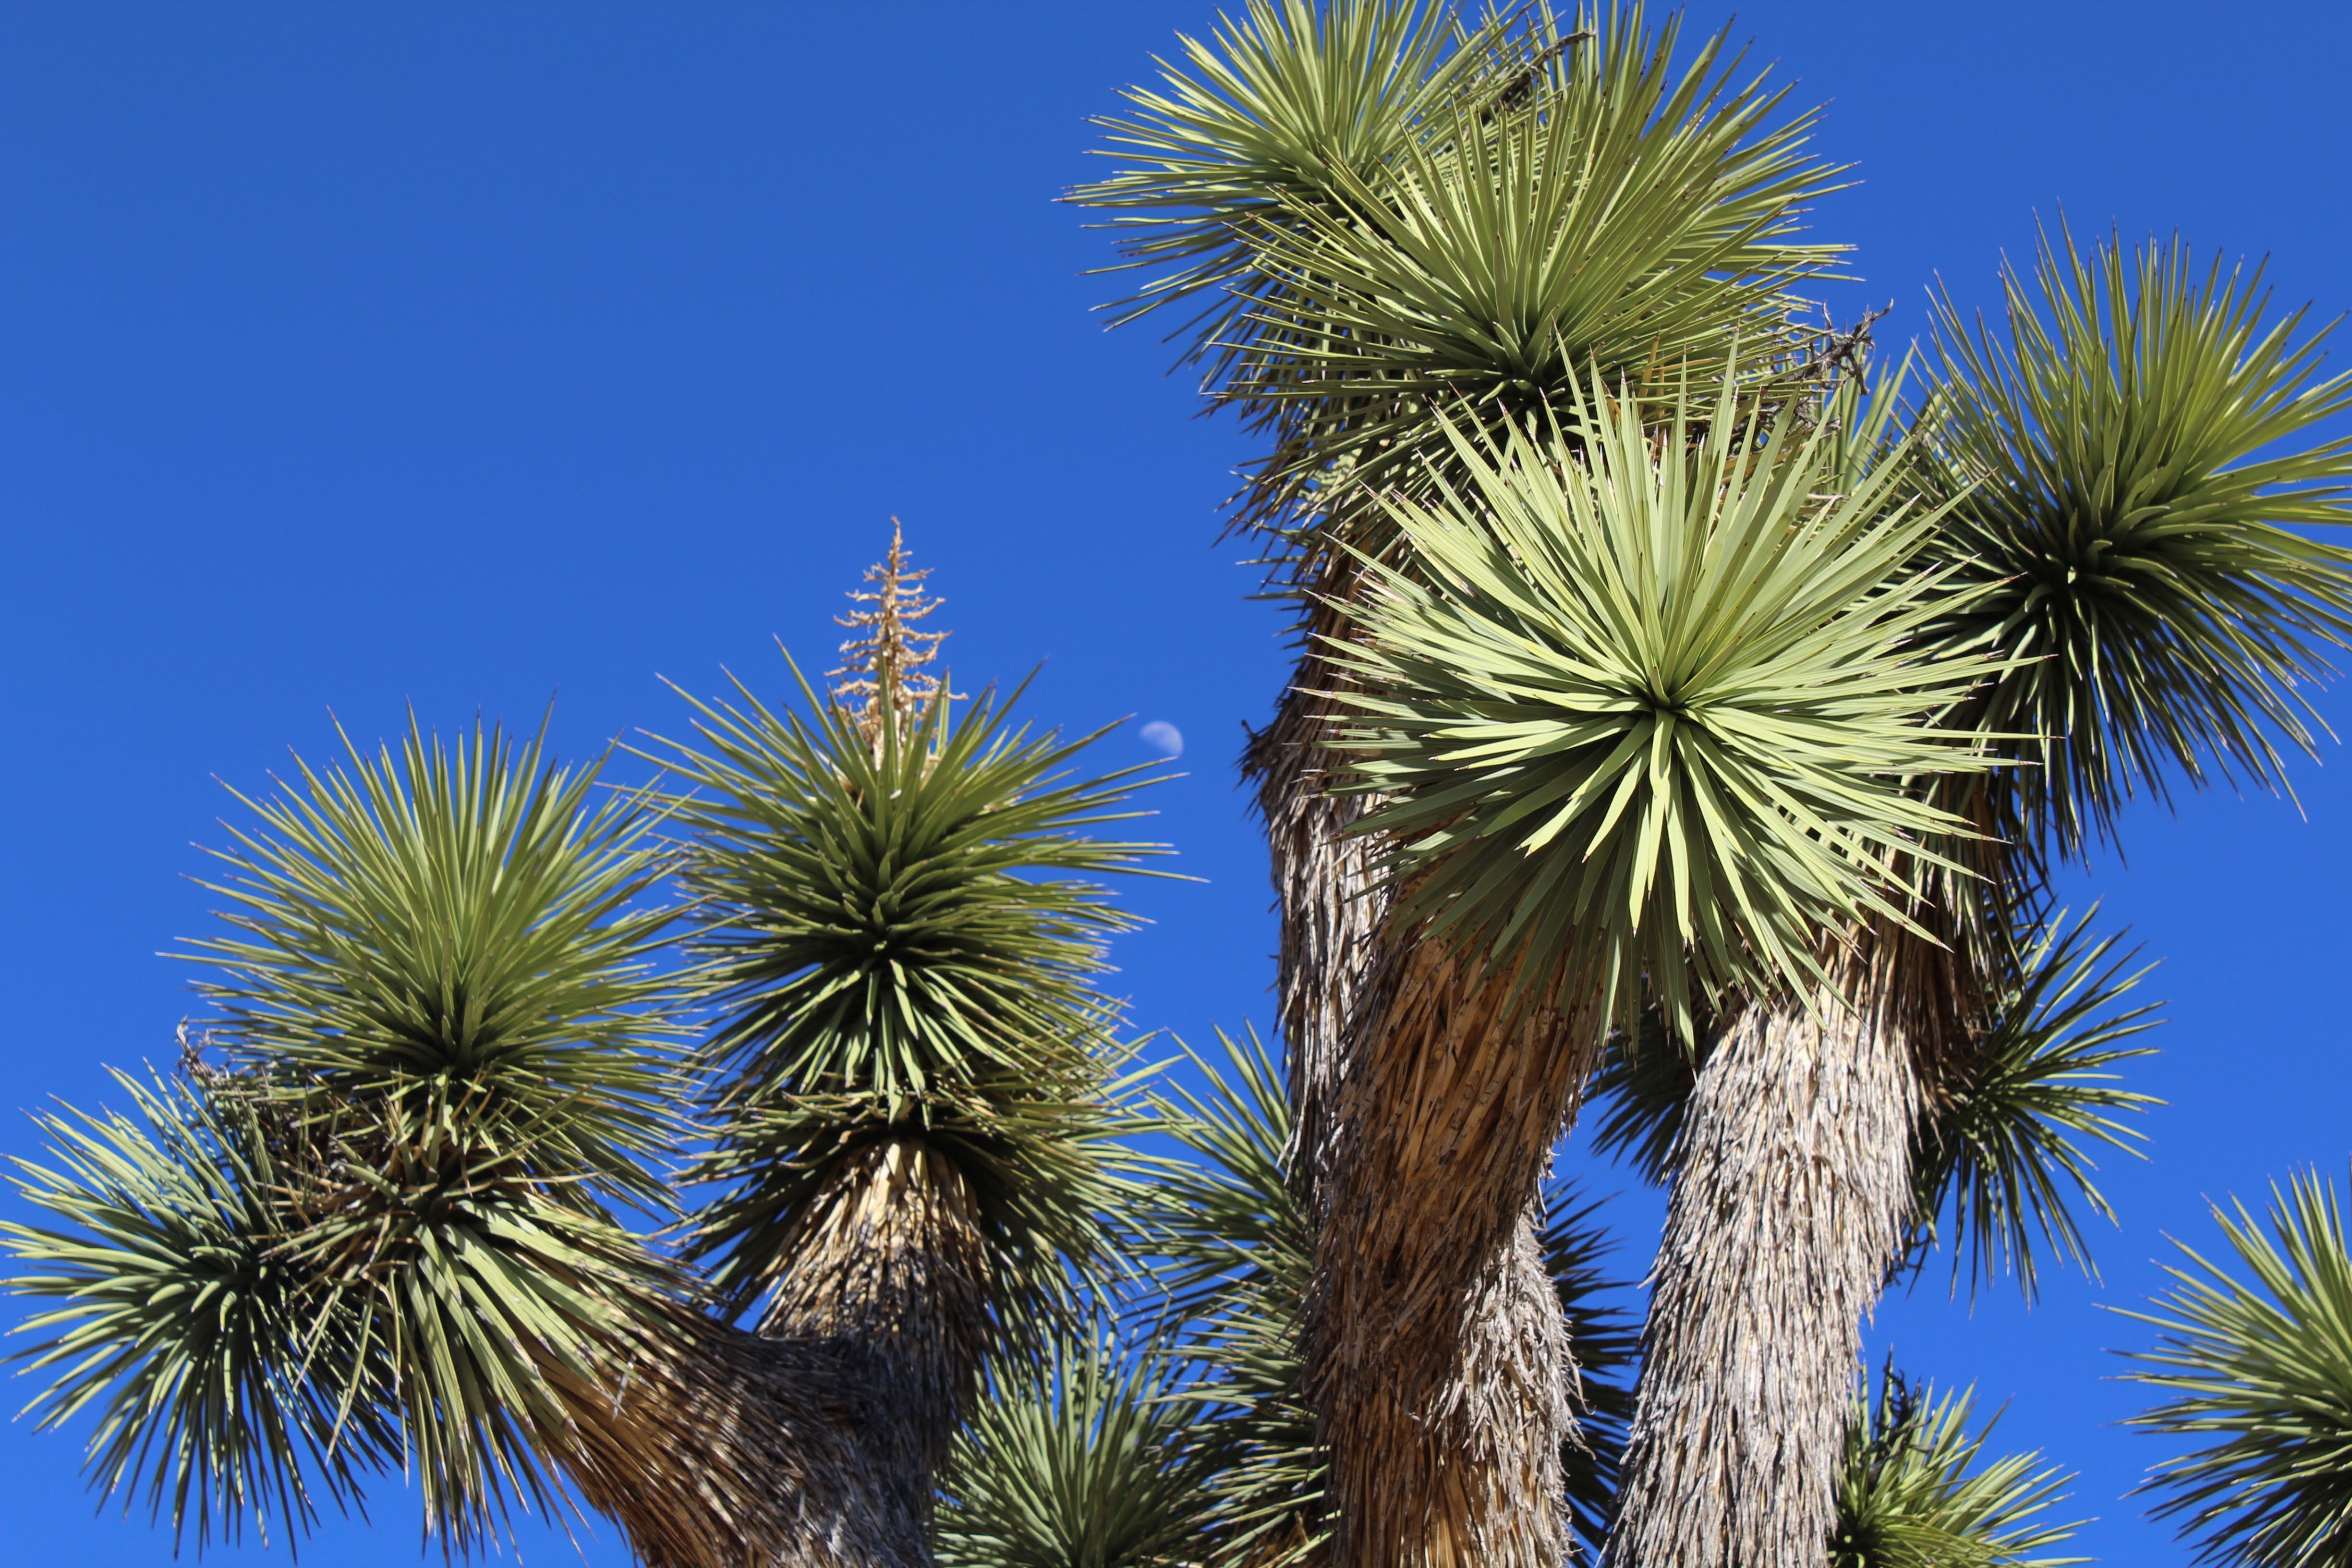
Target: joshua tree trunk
814, 1444
1437, 1357
711, 1447
1792, 1189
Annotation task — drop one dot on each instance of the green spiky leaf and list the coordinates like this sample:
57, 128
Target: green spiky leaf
1993, 1165
2139, 449
1652, 709
220, 1375
887, 951
1080, 1459
1907, 1497
1390, 211
448, 1050
458, 930
2258, 1364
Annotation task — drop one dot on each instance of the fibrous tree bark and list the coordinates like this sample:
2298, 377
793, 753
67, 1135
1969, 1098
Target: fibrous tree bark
1790, 1198
815, 1443
1438, 1360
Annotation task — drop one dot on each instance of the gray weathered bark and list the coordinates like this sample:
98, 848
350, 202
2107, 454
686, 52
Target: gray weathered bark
1792, 1190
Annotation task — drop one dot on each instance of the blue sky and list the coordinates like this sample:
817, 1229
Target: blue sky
359, 356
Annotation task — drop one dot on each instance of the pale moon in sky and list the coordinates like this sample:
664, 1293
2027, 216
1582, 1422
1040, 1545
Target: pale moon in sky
1162, 736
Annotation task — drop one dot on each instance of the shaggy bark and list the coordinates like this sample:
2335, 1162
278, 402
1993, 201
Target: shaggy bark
1331, 901
711, 1447
1789, 1198
1437, 1358
815, 1443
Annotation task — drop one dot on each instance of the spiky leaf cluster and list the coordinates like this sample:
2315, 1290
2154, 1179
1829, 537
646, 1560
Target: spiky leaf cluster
1907, 1497
453, 933
185, 1325
2258, 1365
887, 952
1389, 211
1082, 1457
377, 1239
2004, 1139
1650, 707
1238, 1247
2134, 455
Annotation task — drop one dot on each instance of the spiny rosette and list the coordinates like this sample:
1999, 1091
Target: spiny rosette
1649, 704
2135, 456
892, 951
380, 1238
2252, 1351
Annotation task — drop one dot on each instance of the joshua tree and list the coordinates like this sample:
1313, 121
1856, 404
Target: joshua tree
387, 1228
1383, 214
2154, 613
1183, 1438
1492, 290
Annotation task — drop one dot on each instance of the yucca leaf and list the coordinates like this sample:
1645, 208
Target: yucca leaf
1287, 96
2003, 1141
1385, 210
225, 1386
459, 929
1908, 1499
2140, 450
1605, 1340
888, 946
447, 1049
1650, 710
2258, 1363
1078, 1458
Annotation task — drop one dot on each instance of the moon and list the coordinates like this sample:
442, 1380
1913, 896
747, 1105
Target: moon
1163, 737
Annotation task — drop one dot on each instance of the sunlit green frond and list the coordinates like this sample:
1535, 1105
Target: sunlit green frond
1082, 1458
1384, 211
1652, 708
1635, 218
2259, 1371
1238, 1247
217, 1373
1289, 96
447, 1052
1908, 1498
1229, 1215
886, 950
485, 1283
1992, 1164
2143, 444
456, 929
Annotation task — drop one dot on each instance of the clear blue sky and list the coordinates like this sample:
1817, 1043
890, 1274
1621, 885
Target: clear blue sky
355, 357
